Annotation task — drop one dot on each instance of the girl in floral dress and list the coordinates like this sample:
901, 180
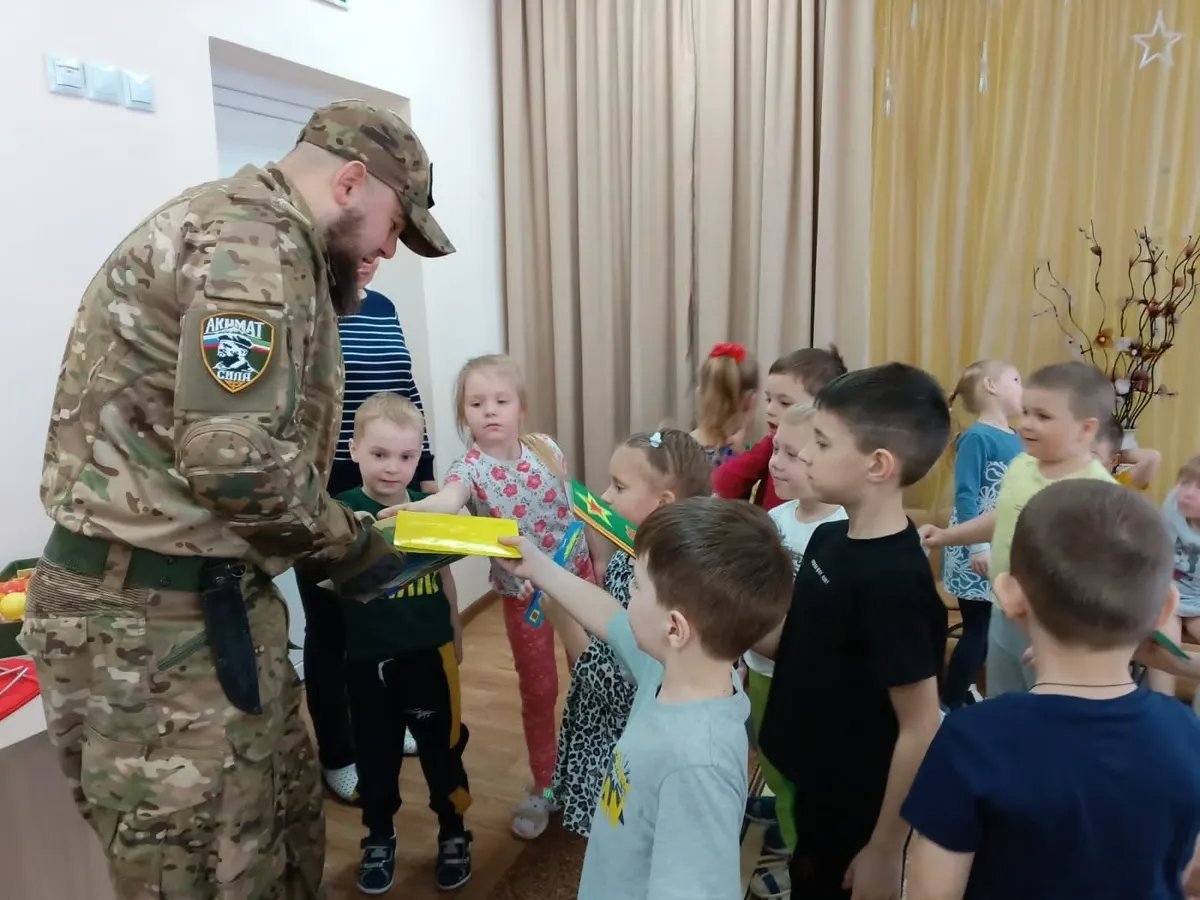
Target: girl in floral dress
506, 474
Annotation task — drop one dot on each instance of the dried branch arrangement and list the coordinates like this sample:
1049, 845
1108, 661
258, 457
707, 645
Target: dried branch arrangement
1134, 334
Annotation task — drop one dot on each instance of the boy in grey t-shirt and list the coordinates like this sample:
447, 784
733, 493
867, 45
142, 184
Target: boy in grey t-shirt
711, 578
671, 806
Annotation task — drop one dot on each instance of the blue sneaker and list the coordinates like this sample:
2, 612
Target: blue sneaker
377, 870
453, 868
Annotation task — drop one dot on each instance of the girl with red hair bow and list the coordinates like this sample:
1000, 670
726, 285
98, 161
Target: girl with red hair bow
725, 401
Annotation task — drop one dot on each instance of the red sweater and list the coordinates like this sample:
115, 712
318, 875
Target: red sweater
736, 477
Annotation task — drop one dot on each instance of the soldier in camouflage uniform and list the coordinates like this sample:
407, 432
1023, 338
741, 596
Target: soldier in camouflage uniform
194, 423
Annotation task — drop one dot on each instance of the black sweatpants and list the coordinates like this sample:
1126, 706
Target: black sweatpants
819, 864
827, 840
817, 873
969, 653
419, 691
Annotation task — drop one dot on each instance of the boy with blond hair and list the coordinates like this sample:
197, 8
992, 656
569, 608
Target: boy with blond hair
402, 656
798, 517
1086, 786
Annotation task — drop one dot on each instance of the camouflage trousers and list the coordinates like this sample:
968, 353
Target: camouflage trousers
190, 797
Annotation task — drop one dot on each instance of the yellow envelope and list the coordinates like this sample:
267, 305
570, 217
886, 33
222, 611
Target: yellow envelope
465, 535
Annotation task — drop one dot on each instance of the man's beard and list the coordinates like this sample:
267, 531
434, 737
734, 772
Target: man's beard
341, 239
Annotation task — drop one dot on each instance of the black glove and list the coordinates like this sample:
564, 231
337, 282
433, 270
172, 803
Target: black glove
371, 568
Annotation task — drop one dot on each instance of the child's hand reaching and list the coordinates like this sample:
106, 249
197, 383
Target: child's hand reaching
390, 512
931, 535
532, 564
583, 601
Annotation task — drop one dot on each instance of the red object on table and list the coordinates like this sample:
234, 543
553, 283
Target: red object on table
18, 684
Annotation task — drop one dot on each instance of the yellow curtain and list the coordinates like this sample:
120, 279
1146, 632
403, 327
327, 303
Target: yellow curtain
1001, 128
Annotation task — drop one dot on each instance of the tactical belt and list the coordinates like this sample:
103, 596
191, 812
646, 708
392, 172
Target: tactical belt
88, 556
218, 581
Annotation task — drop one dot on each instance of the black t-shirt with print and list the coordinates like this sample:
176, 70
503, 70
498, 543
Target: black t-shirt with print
865, 617
412, 618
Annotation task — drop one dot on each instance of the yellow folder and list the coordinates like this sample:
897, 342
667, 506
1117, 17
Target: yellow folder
463, 535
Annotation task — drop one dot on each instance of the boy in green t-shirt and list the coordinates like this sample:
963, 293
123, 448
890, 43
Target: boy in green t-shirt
402, 656
1063, 407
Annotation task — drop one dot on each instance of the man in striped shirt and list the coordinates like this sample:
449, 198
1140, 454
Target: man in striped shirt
377, 358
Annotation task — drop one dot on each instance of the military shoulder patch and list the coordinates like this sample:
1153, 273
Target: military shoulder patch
236, 349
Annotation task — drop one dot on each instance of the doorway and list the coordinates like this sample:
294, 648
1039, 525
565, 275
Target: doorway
261, 104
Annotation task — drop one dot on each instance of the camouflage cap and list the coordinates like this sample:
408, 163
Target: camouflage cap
391, 151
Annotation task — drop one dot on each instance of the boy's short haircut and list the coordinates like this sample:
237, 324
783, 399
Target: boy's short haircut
1189, 472
893, 407
723, 565
392, 408
1110, 434
1095, 562
797, 414
813, 367
1090, 393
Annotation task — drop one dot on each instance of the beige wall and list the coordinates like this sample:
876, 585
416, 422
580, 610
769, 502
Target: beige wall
79, 174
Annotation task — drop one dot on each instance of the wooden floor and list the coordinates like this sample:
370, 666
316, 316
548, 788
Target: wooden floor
496, 765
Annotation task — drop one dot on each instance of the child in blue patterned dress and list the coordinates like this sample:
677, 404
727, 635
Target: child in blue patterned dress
646, 471
991, 391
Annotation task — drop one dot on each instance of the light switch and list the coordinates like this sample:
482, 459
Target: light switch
104, 83
139, 92
65, 75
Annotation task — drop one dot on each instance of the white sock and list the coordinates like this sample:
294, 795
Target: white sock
343, 781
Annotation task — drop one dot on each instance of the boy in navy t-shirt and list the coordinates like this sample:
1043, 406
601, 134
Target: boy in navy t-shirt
1087, 786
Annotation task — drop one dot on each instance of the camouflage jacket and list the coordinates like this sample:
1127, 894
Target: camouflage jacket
200, 394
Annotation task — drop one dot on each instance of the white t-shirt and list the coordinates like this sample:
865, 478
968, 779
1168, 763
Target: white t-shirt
796, 536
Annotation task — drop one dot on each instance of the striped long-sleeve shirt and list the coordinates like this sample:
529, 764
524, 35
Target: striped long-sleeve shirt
377, 359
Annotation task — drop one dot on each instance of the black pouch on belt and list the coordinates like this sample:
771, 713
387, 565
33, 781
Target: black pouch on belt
228, 629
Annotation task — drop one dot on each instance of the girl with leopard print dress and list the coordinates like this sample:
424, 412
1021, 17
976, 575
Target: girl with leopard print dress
645, 472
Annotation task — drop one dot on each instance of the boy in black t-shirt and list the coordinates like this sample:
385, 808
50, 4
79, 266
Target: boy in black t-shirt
1086, 786
402, 656
854, 701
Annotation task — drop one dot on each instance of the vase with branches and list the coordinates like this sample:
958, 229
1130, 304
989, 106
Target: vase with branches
1133, 335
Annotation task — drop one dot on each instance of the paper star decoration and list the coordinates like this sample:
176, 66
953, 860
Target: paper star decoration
1149, 55
597, 510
